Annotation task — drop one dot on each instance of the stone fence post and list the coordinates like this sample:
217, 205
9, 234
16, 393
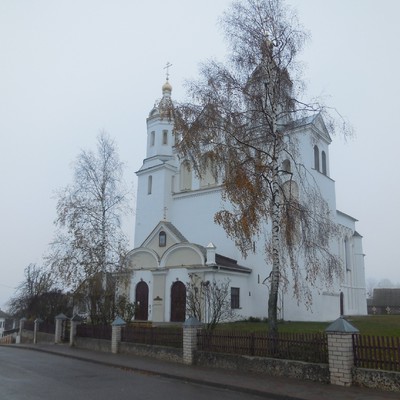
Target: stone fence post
59, 319
75, 321
116, 334
21, 327
340, 350
190, 328
36, 329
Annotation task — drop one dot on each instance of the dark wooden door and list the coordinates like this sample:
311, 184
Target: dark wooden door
178, 302
142, 301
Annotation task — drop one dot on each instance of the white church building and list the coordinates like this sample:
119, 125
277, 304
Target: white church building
175, 236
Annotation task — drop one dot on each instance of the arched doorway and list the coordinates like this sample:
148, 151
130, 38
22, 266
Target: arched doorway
142, 301
178, 302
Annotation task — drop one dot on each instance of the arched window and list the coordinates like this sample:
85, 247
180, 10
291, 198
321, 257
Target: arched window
347, 254
149, 184
152, 138
316, 157
162, 239
286, 166
165, 137
208, 175
186, 176
323, 157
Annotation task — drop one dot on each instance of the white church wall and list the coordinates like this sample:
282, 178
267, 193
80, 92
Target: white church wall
176, 256
143, 260
193, 214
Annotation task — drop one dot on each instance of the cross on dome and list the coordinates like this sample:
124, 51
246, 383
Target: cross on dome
167, 86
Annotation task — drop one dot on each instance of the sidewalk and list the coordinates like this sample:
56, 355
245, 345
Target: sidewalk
280, 388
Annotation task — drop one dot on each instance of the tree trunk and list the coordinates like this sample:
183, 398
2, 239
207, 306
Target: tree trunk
273, 293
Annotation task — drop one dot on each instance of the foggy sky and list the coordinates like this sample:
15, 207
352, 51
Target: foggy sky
69, 69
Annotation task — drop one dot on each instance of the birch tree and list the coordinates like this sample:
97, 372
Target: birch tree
240, 117
89, 240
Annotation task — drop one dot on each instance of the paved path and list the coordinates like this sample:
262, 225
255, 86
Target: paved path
259, 384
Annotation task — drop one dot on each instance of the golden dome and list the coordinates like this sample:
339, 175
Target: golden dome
167, 87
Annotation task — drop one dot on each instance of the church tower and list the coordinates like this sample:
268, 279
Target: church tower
154, 192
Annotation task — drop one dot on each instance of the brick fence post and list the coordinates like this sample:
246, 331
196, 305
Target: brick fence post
75, 321
116, 334
36, 329
190, 328
59, 319
340, 350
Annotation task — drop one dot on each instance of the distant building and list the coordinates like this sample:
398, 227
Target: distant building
175, 235
384, 301
6, 322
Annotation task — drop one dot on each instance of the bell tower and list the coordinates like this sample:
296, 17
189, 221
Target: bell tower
154, 191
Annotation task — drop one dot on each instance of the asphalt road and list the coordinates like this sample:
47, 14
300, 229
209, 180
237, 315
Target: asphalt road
31, 375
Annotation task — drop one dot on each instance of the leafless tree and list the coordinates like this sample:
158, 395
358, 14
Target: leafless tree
89, 240
209, 301
38, 296
241, 119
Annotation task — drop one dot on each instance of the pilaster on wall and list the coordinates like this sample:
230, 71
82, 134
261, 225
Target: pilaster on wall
340, 349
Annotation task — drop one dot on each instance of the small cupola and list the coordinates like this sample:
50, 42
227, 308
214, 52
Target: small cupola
163, 108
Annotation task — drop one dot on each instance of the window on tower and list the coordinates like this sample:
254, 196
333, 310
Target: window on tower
316, 157
165, 137
150, 185
323, 159
152, 138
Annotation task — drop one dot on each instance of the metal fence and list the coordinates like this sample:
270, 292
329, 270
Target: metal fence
161, 336
94, 331
29, 325
293, 346
47, 327
377, 352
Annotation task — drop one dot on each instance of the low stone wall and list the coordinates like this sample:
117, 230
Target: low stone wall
93, 344
270, 366
377, 379
159, 352
42, 337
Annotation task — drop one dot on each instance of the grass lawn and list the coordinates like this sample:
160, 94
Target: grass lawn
377, 325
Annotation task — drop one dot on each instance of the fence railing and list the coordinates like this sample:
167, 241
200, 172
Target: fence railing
29, 325
300, 347
377, 352
10, 331
161, 336
94, 331
47, 327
